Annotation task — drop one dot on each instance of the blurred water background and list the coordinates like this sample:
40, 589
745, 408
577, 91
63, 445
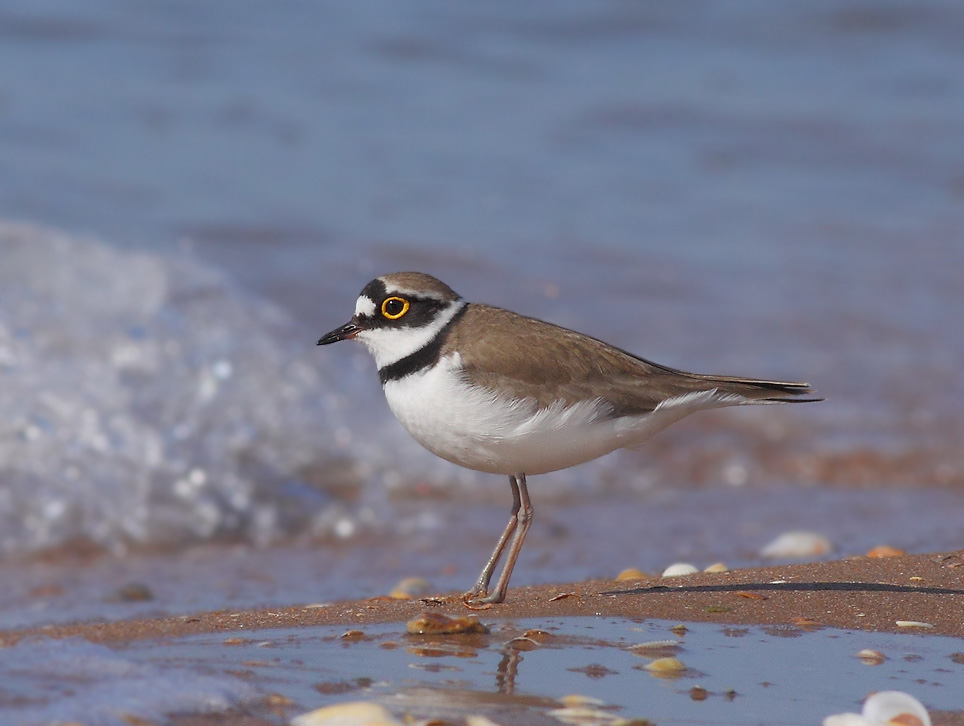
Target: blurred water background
191, 193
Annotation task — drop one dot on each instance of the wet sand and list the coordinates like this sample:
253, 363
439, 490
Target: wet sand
871, 594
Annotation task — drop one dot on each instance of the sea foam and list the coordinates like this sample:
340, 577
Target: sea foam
149, 401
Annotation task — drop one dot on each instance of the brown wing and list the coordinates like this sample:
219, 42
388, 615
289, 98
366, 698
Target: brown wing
504, 350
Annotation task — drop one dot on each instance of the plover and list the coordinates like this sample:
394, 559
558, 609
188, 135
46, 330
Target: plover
502, 393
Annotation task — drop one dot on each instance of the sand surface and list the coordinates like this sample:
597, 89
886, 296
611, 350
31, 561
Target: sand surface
873, 594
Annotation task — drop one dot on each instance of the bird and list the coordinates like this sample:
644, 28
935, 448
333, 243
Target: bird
501, 393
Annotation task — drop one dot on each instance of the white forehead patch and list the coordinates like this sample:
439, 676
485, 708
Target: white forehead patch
395, 289
364, 306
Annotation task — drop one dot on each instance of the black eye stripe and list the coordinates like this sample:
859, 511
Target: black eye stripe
422, 311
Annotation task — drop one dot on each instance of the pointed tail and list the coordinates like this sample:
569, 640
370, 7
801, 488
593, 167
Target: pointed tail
759, 391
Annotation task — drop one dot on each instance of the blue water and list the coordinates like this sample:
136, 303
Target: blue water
752, 675
477, 128
193, 192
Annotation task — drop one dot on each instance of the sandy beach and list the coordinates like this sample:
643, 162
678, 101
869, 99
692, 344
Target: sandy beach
874, 594
920, 597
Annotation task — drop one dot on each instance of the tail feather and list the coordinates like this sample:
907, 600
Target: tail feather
761, 391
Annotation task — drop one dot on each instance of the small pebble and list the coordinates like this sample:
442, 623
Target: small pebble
132, 592
797, 544
529, 640
698, 693
871, 657
678, 569
522, 643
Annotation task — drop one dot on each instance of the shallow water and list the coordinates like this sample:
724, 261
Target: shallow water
738, 675
768, 190
574, 539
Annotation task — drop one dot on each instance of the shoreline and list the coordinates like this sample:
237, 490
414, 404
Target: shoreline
863, 593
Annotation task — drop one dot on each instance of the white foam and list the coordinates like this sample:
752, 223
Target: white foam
147, 400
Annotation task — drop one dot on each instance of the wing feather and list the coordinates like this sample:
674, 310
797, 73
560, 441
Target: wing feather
529, 358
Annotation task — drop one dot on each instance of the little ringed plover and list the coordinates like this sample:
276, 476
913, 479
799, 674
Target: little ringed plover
502, 393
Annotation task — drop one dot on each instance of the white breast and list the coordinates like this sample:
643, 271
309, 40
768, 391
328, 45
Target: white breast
479, 430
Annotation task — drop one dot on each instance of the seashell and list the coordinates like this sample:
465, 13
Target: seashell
797, 544
717, 567
438, 624
655, 645
632, 574
846, 719
913, 624
679, 569
666, 667
478, 720
410, 588
885, 708
352, 713
895, 707
582, 716
885, 551
573, 700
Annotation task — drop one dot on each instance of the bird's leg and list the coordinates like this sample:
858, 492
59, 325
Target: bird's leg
482, 585
522, 509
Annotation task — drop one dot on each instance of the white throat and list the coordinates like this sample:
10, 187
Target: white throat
389, 345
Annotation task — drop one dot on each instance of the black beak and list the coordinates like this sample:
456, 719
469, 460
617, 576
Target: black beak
345, 332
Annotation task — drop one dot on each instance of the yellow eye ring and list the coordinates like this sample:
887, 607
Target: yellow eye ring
395, 307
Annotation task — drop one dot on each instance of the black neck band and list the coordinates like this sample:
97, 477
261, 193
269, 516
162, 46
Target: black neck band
424, 357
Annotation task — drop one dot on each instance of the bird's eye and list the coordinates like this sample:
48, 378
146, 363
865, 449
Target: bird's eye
395, 307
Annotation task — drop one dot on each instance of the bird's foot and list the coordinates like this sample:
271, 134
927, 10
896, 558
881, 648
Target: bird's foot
476, 599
